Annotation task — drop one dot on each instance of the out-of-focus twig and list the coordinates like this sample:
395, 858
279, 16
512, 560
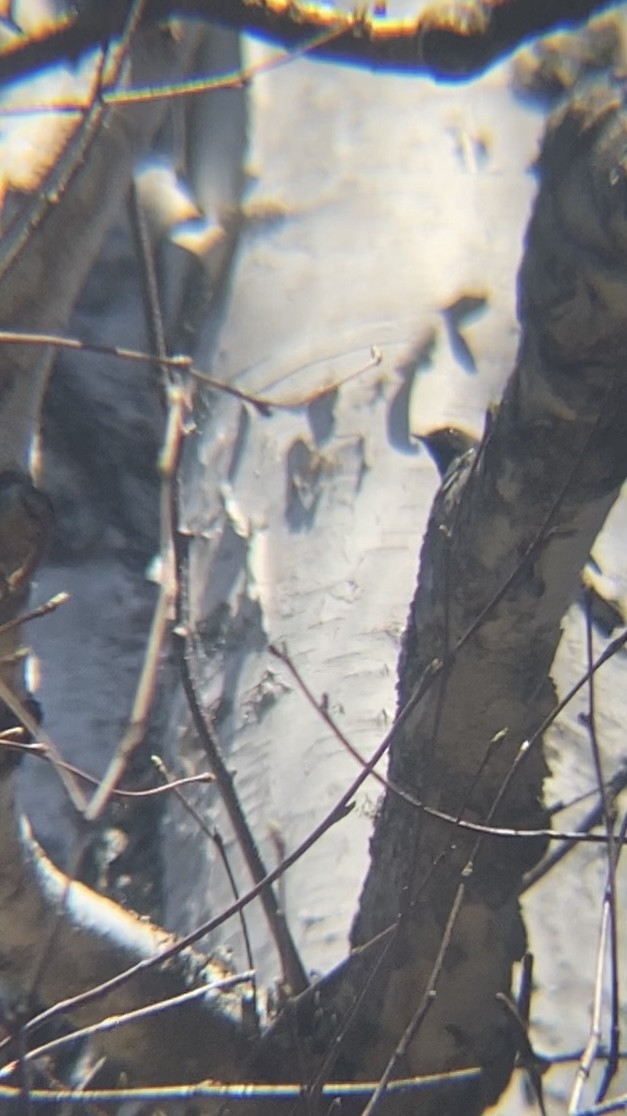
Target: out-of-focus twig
216, 1091
612, 852
177, 401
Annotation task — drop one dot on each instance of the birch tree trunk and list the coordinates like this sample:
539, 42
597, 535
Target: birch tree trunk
509, 532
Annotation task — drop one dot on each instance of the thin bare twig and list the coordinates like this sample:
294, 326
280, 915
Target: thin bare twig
237, 80
571, 838
112, 1022
188, 87
177, 402
609, 818
186, 646
590, 1052
42, 751
35, 613
57, 341
265, 405
592, 1046
216, 839
426, 1001
25, 717
215, 1091
344, 803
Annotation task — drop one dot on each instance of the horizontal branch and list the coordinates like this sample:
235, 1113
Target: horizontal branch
454, 44
245, 1092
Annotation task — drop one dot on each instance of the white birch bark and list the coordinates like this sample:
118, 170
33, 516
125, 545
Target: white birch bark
262, 589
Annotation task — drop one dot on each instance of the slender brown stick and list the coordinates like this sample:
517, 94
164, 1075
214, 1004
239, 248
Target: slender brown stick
339, 811
571, 838
426, 1001
42, 751
609, 818
187, 647
170, 455
216, 1091
216, 839
114, 1021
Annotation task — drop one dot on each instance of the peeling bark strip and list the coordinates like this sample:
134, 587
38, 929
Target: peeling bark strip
521, 512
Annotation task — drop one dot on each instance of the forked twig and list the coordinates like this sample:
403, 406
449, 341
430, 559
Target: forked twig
9, 698
42, 751
216, 839
264, 405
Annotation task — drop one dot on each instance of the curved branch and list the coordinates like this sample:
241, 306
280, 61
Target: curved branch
453, 44
93, 940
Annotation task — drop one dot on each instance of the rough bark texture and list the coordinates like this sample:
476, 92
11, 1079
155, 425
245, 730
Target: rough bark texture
521, 514
513, 521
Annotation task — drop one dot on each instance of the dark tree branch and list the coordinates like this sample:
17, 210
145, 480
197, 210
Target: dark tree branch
451, 45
